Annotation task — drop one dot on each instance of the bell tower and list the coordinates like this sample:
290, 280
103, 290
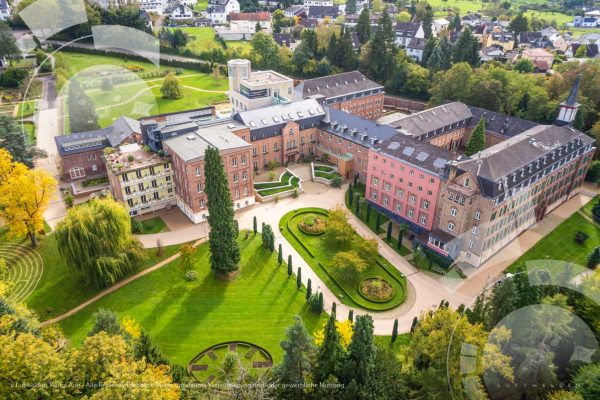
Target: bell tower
568, 109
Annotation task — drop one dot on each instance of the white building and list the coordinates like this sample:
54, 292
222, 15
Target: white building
154, 6
218, 10
182, 13
318, 3
4, 10
440, 24
415, 48
406, 31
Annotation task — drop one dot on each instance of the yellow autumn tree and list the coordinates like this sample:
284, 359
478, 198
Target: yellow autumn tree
24, 197
344, 329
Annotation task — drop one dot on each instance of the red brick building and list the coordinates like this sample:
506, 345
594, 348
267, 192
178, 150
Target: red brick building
350, 91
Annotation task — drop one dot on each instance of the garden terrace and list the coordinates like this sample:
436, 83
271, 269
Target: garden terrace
131, 157
287, 181
325, 171
318, 252
185, 317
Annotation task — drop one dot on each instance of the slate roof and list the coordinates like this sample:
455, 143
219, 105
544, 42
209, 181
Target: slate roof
111, 136
419, 153
504, 167
406, 29
334, 86
417, 43
534, 39
215, 9
500, 124
282, 38
354, 128
323, 11
218, 2
268, 121
430, 122
295, 10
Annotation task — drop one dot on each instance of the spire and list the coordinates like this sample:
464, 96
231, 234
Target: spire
572, 100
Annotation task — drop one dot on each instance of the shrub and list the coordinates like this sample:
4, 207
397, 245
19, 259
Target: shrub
581, 237
336, 182
136, 226
271, 177
12, 77
314, 304
69, 200
191, 275
130, 158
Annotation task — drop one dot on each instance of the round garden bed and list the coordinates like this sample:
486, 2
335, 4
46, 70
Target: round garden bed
206, 366
313, 224
376, 289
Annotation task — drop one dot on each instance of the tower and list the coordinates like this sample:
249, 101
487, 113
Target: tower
568, 109
237, 70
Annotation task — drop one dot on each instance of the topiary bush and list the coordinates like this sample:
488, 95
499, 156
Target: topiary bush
376, 289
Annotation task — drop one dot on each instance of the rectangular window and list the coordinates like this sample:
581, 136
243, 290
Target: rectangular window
202, 203
235, 178
450, 226
385, 201
474, 230
199, 188
374, 195
454, 211
234, 161
423, 220
243, 160
478, 215
77, 172
198, 171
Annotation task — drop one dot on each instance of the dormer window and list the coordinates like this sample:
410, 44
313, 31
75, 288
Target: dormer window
467, 181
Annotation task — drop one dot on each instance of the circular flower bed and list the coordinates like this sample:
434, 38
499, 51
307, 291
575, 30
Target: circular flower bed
313, 224
376, 289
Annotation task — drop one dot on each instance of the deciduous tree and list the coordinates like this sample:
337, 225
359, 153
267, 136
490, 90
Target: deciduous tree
348, 264
171, 87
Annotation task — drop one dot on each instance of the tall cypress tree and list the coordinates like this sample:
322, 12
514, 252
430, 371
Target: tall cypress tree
299, 278
332, 50
289, 265
395, 330
363, 26
428, 50
331, 353
427, 21
224, 250
308, 289
254, 225
279, 255
476, 142
82, 112
388, 235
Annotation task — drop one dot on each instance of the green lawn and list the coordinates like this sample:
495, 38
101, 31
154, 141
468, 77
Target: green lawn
201, 5
362, 212
29, 128
60, 290
26, 109
318, 253
203, 39
153, 225
560, 244
184, 318
286, 182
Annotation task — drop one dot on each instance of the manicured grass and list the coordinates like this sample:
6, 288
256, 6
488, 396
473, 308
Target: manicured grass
29, 128
362, 215
560, 243
398, 347
94, 181
327, 175
26, 109
201, 5
204, 39
184, 318
153, 225
286, 182
60, 290
318, 253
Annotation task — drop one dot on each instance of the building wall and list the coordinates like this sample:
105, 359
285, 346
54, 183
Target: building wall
451, 140
336, 147
368, 107
402, 189
190, 182
90, 163
145, 189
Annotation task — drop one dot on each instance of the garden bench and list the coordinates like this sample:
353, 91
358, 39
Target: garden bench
262, 364
202, 367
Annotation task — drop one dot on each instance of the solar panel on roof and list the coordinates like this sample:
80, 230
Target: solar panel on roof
439, 162
422, 156
408, 151
394, 146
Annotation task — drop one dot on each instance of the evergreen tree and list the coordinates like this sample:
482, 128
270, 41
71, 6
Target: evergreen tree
594, 258
298, 350
268, 238
254, 225
363, 26
596, 211
379, 58
360, 360
308, 289
368, 217
478, 314
351, 315
395, 331
299, 278
330, 357
402, 229
258, 27
476, 142
428, 50
519, 24
350, 197
82, 112
333, 307
501, 302
414, 324
357, 208
289, 265
427, 21
350, 7
377, 220
346, 56
279, 255
388, 236
12, 139
224, 250
466, 48
321, 302
456, 23
332, 49
526, 293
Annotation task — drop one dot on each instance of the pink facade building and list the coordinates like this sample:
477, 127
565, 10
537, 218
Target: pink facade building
404, 180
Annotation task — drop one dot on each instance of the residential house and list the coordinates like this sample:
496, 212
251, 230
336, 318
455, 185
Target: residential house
440, 24
472, 19
218, 10
294, 11
242, 26
4, 10
285, 39
349, 91
492, 53
533, 40
352, 19
154, 6
541, 59
182, 13
405, 31
498, 36
321, 13
586, 22
318, 3
415, 48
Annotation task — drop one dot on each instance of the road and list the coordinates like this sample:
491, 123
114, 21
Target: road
48, 125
